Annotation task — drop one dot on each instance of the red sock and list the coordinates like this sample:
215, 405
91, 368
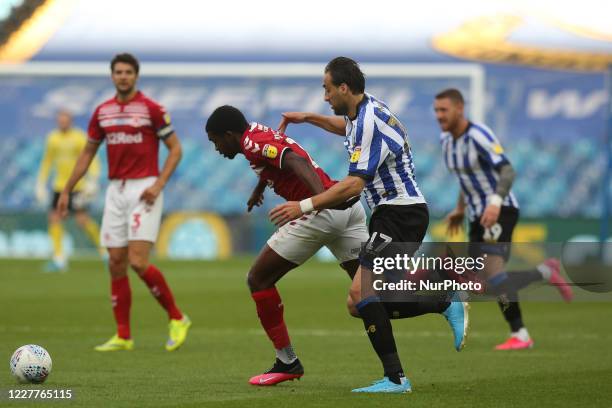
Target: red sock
121, 297
270, 311
161, 291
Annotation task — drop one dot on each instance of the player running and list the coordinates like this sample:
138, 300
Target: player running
381, 165
132, 126
62, 149
485, 175
286, 167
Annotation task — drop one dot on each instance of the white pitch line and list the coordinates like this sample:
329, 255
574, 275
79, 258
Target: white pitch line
304, 332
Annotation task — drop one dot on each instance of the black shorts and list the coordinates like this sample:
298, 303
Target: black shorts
393, 224
501, 234
71, 202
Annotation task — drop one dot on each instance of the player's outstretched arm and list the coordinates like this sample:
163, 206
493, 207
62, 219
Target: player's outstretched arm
80, 168
333, 124
175, 153
335, 195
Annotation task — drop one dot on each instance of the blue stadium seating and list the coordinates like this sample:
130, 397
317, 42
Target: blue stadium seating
554, 179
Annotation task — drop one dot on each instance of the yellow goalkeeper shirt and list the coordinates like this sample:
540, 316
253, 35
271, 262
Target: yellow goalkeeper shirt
61, 153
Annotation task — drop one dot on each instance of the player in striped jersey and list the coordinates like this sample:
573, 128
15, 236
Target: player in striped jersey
485, 175
380, 163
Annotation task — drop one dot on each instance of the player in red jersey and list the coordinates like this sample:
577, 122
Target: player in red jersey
286, 167
132, 126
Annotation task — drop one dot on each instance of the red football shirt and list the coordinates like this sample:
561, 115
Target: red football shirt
264, 149
132, 131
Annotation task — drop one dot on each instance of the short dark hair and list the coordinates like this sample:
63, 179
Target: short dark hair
344, 70
226, 118
452, 94
127, 59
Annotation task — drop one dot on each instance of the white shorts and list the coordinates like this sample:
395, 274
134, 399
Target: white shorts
128, 218
342, 231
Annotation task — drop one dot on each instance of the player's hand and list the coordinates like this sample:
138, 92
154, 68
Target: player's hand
41, 193
454, 221
490, 215
150, 194
256, 200
283, 213
62, 204
290, 117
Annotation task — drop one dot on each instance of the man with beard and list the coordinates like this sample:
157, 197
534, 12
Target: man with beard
132, 126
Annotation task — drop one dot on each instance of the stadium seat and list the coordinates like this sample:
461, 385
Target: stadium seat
207, 181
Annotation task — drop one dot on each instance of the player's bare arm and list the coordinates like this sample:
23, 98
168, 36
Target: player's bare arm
494, 202
337, 194
454, 219
333, 124
304, 171
174, 157
257, 196
80, 169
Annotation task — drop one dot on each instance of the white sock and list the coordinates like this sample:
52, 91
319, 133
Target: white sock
545, 271
286, 355
522, 334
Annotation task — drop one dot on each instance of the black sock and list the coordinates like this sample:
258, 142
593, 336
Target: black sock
501, 286
519, 280
379, 330
403, 310
512, 314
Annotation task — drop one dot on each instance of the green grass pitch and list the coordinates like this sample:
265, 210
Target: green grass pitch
570, 366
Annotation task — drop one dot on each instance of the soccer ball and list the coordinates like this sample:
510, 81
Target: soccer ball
31, 364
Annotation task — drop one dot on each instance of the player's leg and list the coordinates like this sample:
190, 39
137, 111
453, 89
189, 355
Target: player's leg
512, 282
497, 248
402, 310
378, 328
351, 268
412, 230
144, 222
290, 246
138, 255
508, 302
350, 233
506, 286
268, 268
179, 324
56, 236
113, 235
121, 297
372, 311
548, 271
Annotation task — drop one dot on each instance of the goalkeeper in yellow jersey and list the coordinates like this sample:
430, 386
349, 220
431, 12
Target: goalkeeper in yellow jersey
62, 149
